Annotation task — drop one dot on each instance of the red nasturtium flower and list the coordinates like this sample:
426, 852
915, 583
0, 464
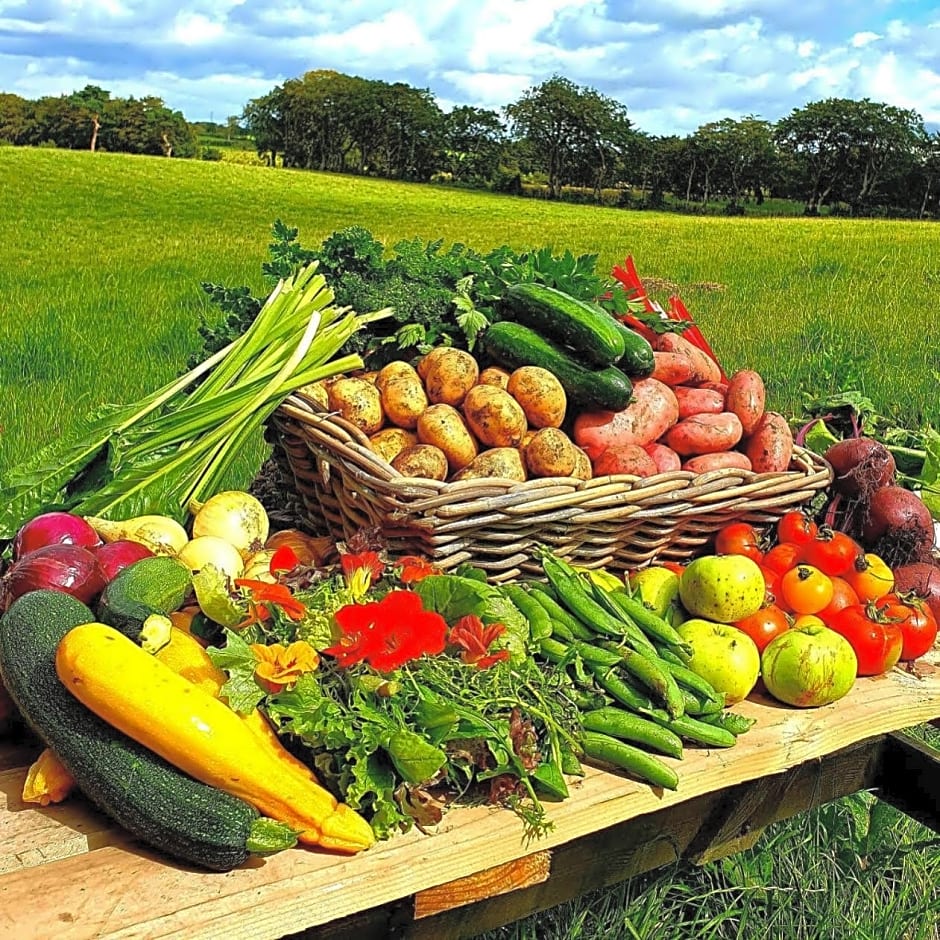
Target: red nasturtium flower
387, 633
284, 559
414, 568
475, 640
360, 571
279, 667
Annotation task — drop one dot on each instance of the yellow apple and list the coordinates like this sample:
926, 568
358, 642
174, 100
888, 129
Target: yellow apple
722, 655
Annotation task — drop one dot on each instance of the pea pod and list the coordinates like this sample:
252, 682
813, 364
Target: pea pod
608, 750
557, 652
560, 617
654, 676
649, 621
627, 726
730, 721
633, 634
572, 594
712, 700
540, 624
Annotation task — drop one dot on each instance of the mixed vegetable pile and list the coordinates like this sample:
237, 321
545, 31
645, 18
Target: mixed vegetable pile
221, 689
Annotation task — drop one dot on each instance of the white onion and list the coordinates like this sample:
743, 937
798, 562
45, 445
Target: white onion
236, 517
210, 550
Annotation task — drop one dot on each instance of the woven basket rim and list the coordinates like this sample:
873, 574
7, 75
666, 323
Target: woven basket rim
349, 442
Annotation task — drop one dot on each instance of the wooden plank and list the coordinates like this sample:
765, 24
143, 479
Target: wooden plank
110, 890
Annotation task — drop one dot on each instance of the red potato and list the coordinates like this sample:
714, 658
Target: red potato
671, 368
665, 458
705, 434
653, 409
697, 401
624, 458
746, 397
725, 460
704, 368
770, 447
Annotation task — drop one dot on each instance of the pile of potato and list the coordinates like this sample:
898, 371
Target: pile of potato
446, 419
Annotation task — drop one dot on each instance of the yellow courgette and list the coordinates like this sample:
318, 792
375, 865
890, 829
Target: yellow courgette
142, 697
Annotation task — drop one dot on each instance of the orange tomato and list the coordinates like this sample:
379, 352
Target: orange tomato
805, 589
871, 577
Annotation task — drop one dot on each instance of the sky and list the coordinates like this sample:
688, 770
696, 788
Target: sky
674, 64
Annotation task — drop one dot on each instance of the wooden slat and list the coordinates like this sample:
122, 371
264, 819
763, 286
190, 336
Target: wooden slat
124, 891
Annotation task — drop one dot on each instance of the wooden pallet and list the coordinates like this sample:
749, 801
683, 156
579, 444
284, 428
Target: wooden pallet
65, 871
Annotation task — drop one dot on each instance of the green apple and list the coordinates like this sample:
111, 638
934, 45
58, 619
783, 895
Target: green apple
724, 588
658, 589
809, 666
722, 655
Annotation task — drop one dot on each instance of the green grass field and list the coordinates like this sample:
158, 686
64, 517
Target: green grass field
100, 269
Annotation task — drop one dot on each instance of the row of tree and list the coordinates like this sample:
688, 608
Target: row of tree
91, 119
862, 155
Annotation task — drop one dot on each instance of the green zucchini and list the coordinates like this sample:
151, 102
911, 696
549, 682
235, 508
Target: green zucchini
589, 330
514, 345
152, 800
155, 585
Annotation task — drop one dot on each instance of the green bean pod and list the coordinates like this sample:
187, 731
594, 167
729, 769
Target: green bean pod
605, 749
628, 726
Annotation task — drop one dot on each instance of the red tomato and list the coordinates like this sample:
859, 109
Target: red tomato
918, 626
771, 579
739, 538
763, 626
674, 566
781, 558
871, 577
842, 596
805, 589
832, 552
877, 641
796, 527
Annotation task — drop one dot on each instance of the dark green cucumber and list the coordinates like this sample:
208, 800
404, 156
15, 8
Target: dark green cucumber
637, 360
144, 794
155, 585
514, 345
589, 330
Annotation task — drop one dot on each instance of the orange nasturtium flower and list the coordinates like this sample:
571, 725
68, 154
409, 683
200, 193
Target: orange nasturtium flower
475, 640
360, 571
262, 596
413, 568
279, 667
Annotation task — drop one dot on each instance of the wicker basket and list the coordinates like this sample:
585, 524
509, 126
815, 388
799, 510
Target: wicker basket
610, 521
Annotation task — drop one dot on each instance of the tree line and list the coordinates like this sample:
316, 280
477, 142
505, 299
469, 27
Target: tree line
859, 157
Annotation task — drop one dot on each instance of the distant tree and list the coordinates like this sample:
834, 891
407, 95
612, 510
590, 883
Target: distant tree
264, 121
739, 155
16, 115
474, 141
91, 102
848, 150
232, 126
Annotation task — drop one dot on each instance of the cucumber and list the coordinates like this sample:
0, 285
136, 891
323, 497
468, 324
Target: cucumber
514, 344
588, 329
637, 360
152, 800
154, 585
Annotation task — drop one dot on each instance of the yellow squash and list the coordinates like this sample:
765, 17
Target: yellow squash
145, 699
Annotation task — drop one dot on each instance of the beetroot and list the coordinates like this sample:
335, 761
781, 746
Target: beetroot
921, 579
861, 466
898, 526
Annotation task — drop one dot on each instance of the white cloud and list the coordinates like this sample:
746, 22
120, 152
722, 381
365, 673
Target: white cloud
193, 29
859, 40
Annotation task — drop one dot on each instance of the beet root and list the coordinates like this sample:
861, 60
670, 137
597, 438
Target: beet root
921, 579
898, 526
861, 466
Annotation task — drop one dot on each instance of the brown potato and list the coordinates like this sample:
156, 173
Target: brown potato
495, 418
390, 442
422, 460
403, 399
369, 376
494, 375
394, 370
430, 358
502, 462
583, 469
550, 453
540, 394
444, 427
357, 401
318, 392
451, 376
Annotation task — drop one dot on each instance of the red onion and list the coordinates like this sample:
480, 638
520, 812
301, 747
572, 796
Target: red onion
116, 556
71, 569
53, 528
